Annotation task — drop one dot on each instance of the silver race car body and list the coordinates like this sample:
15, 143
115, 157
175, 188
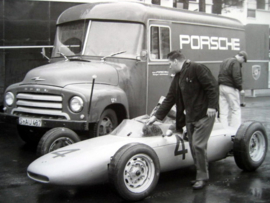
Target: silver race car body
89, 162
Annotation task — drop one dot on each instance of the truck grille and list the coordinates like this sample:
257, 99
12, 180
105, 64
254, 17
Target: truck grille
39, 106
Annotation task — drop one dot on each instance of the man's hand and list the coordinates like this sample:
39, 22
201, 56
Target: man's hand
211, 112
151, 120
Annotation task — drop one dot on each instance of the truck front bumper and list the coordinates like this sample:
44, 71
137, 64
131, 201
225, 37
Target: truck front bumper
48, 123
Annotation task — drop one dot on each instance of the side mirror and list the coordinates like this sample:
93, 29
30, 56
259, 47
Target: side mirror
143, 55
43, 53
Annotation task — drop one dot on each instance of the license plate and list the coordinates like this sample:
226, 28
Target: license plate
30, 122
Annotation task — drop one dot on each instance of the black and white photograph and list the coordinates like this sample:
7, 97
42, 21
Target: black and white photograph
147, 101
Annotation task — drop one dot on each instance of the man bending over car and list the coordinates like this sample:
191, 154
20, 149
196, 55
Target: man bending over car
194, 90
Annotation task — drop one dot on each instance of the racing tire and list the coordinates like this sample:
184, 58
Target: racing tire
107, 123
56, 138
250, 146
30, 135
134, 171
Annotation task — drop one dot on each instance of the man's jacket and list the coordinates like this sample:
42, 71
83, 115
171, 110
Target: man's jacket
193, 90
230, 73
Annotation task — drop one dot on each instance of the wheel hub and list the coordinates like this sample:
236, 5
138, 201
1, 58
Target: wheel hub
139, 173
256, 146
136, 172
106, 126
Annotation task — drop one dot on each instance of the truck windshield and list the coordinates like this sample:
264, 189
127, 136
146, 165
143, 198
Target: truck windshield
102, 39
70, 39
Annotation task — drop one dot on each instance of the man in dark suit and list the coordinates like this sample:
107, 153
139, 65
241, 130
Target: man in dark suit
194, 90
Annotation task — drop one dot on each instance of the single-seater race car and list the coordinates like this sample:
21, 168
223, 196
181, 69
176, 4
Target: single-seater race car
132, 157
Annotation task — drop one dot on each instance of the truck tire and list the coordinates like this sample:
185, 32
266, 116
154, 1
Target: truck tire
56, 138
134, 171
107, 123
250, 146
30, 135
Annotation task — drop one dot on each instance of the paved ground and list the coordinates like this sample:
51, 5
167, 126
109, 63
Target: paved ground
228, 184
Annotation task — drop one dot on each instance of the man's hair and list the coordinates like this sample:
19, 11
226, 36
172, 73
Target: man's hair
244, 54
176, 55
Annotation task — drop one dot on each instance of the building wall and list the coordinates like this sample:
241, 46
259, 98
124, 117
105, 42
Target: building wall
25, 24
194, 5
249, 13
2, 56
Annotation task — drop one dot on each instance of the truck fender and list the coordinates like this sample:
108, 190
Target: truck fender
111, 97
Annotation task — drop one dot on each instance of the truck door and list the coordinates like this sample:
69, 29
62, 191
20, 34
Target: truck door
158, 75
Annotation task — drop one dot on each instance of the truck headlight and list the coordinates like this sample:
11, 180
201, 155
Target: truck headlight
9, 98
76, 104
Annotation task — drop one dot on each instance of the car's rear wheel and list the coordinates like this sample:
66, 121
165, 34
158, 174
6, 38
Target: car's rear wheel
134, 171
250, 146
56, 138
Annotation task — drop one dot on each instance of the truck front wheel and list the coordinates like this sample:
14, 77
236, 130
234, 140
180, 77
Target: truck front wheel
107, 123
56, 138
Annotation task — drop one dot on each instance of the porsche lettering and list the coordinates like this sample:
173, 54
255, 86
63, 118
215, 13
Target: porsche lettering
210, 43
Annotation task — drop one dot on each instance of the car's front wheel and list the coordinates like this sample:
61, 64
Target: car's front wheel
250, 146
134, 171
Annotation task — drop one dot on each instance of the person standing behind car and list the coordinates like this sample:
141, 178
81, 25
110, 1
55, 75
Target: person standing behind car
194, 90
230, 84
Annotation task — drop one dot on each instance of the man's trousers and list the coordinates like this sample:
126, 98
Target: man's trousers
198, 135
229, 107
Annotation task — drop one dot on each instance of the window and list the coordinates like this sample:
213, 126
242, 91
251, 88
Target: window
70, 38
157, 2
251, 13
160, 42
261, 4
106, 38
103, 39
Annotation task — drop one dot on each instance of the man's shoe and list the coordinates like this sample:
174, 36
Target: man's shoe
199, 184
193, 182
